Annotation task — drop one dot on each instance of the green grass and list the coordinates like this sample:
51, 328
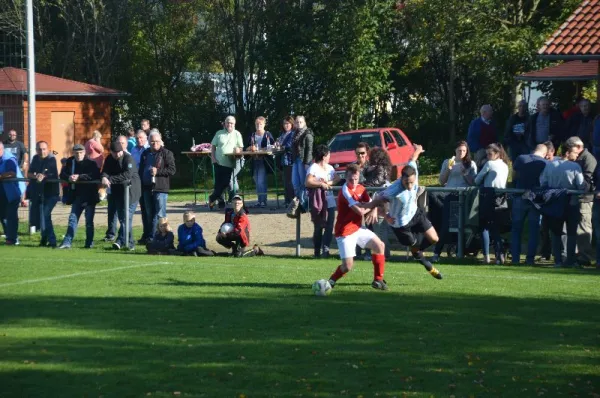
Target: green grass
100, 323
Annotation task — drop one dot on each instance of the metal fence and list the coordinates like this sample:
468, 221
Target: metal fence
460, 223
127, 184
459, 217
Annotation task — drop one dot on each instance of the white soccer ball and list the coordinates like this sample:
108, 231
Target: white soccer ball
226, 228
321, 287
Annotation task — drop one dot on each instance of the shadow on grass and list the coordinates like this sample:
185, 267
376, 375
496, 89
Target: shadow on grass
283, 342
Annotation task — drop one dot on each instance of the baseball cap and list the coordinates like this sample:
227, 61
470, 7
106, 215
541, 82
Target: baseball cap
237, 197
78, 147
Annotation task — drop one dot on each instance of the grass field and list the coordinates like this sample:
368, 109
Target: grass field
98, 323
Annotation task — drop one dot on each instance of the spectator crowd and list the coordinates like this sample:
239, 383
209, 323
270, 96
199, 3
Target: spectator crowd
548, 154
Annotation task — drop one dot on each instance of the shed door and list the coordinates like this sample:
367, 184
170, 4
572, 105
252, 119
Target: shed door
62, 134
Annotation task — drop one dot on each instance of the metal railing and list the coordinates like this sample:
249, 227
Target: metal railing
462, 193
127, 185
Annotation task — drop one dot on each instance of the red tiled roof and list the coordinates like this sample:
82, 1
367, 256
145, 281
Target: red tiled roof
578, 36
571, 71
14, 81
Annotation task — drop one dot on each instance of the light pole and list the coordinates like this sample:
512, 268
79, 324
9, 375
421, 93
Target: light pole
30, 79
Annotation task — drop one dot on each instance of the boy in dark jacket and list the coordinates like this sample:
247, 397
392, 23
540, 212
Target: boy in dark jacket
83, 197
191, 241
119, 170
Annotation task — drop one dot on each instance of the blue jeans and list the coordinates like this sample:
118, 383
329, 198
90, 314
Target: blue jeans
121, 215
490, 229
322, 236
234, 186
111, 209
557, 227
46, 225
9, 214
299, 180
77, 208
524, 209
155, 205
260, 179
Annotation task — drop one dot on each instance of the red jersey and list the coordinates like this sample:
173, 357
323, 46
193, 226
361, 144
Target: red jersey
241, 224
348, 221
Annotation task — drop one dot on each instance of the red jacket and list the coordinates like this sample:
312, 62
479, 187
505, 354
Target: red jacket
241, 225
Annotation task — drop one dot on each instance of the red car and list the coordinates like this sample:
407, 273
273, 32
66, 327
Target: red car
393, 140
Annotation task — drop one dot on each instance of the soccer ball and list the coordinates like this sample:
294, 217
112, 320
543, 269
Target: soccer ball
226, 228
321, 287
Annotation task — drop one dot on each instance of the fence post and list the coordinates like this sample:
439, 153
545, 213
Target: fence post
126, 221
41, 209
461, 224
298, 235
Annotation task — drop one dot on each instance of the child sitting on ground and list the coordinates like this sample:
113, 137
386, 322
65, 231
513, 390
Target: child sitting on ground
239, 237
189, 235
162, 242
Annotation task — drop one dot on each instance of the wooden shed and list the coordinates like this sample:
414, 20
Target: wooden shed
67, 111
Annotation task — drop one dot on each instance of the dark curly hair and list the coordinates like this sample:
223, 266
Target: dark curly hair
320, 152
379, 157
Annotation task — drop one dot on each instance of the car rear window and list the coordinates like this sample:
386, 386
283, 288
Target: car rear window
348, 142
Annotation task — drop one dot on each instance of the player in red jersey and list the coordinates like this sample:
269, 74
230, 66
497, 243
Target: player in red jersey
349, 231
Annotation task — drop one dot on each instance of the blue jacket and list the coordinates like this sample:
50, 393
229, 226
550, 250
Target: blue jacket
190, 238
13, 190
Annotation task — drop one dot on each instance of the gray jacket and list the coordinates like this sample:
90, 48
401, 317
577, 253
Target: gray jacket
303, 147
588, 163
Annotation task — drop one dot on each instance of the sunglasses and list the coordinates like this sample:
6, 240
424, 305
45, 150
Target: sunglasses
361, 153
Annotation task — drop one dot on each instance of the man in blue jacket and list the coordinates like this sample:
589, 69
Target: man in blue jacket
10, 195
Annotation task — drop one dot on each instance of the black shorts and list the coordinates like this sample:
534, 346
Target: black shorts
417, 225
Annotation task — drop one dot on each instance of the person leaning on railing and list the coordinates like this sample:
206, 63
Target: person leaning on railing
588, 163
457, 172
320, 177
560, 174
527, 170
43, 166
82, 197
118, 171
494, 174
